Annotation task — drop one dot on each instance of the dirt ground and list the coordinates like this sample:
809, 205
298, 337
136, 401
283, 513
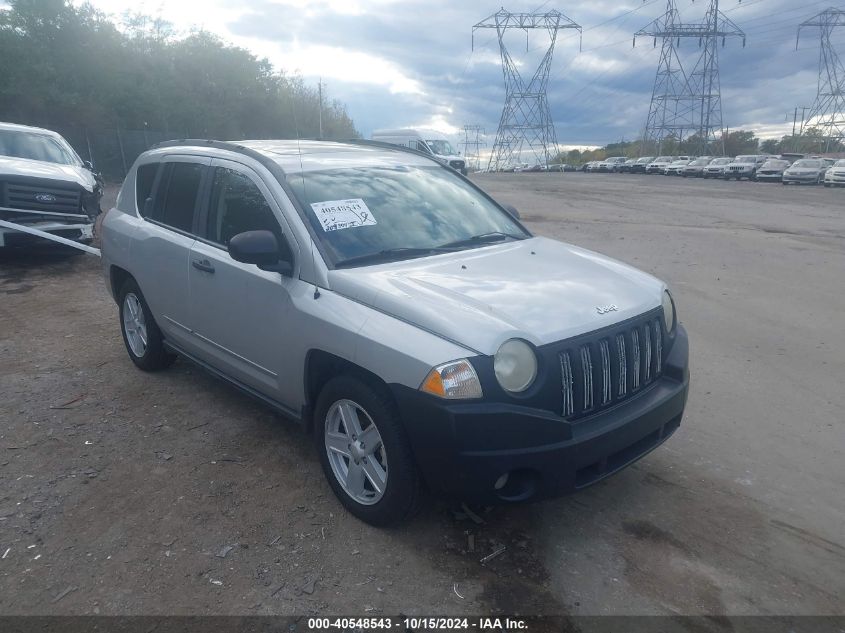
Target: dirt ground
130, 493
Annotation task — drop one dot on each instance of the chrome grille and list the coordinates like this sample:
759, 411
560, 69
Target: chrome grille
606, 392
623, 365
587, 373
568, 394
635, 336
631, 357
41, 198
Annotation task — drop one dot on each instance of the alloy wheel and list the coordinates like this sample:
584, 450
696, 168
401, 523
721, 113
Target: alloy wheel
356, 452
134, 324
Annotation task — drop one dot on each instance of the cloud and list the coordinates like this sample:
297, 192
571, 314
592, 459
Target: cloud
398, 63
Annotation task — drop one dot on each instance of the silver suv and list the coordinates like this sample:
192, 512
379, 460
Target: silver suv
399, 314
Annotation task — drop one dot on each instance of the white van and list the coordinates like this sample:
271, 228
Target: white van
432, 143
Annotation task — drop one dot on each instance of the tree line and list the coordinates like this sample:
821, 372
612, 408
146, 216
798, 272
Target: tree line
65, 65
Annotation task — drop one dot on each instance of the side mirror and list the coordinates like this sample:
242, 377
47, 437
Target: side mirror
88, 165
262, 249
512, 210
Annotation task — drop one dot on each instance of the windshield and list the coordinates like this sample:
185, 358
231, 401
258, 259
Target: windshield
663, 159
722, 161
646, 159
746, 159
839, 163
357, 212
808, 163
701, 161
442, 147
776, 163
34, 146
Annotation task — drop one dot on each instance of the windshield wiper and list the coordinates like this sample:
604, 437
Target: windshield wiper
484, 238
391, 254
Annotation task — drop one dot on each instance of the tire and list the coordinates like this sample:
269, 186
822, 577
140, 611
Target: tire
386, 463
137, 323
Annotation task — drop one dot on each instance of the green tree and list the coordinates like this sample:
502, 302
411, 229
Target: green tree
740, 142
69, 66
771, 146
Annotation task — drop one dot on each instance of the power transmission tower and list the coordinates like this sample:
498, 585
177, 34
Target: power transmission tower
687, 104
472, 145
526, 122
828, 111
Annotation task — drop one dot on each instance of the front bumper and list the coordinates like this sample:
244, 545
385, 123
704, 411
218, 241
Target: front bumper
78, 232
463, 449
801, 178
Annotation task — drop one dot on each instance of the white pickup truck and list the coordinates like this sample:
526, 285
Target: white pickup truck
44, 188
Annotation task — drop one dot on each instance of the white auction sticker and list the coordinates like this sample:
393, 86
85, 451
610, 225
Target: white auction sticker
342, 214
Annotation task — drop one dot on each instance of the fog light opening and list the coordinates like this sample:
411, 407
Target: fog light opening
516, 485
501, 482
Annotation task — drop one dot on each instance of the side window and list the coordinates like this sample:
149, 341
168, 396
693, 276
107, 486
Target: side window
175, 203
144, 179
237, 205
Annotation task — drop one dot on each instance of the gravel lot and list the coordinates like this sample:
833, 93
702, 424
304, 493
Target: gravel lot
128, 493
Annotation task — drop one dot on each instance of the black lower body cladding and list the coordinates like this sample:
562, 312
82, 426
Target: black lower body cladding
498, 453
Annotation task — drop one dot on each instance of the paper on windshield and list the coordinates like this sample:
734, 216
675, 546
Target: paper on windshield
335, 215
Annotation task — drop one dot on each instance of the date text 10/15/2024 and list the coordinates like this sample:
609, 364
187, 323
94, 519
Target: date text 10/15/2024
406, 623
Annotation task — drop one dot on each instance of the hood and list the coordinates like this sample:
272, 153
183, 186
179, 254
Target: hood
805, 170
76, 174
537, 289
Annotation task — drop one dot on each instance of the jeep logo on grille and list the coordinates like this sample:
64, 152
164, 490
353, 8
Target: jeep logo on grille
605, 309
45, 197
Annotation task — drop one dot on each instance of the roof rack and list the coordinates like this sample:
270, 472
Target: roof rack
267, 162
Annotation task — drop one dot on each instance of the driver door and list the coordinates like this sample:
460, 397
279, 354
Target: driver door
239, 313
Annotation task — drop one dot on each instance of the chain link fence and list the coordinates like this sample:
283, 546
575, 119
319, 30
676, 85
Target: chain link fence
113, 150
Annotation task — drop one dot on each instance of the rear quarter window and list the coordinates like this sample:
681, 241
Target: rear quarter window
176, 202
144, 180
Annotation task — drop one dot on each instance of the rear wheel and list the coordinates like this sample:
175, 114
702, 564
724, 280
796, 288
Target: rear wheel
365, 453
141, 335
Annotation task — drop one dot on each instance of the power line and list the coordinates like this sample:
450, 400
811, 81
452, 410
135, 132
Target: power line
828, 110
526, 123
687, 104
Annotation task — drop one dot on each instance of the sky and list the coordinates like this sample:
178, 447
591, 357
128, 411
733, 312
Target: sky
411, 63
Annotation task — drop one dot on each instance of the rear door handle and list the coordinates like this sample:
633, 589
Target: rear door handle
203, 265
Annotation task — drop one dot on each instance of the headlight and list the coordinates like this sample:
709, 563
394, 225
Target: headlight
453, 381
515, 365
668, 311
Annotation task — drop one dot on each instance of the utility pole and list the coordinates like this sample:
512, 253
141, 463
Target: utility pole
828, 110
685, 104
526, 122
320, 93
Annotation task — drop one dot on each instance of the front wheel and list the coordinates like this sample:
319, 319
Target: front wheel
365, 453
141, 335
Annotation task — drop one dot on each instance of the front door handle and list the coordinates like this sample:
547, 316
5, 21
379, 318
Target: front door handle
203, 265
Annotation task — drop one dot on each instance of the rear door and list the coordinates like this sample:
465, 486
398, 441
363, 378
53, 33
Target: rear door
162, 244
240, 313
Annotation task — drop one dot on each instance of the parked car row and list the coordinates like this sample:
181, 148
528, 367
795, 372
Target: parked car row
760, 167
